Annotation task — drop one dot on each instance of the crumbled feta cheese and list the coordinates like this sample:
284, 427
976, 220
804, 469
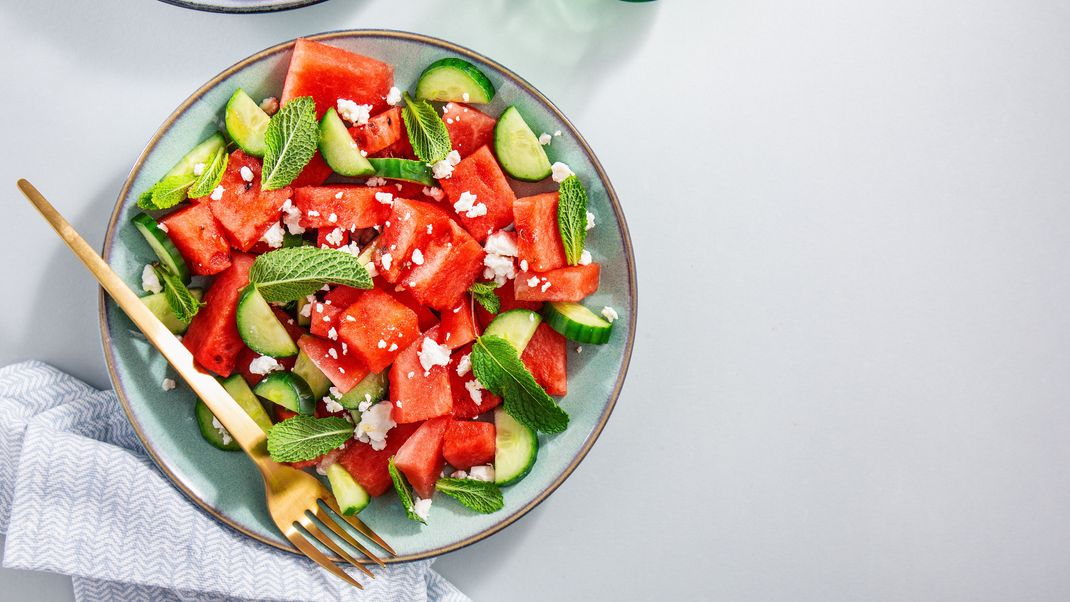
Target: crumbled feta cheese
334, 237
590, 220
375, 182
435, 193
150, 281
533, 281
163, 227
464, 365
475, 391
168, 384
331, 404
270, 105
610, 313
331, 351
545, 285
386, 259
313, 213
393, 347
385, 198
333, 218
498, 268
432, 354
523, 265
291, 216
246, 173
375, 423
559, 172
459, 474
306, 309
264, 364
482, 473
418, 256
274, 236
585, 257
352, 112
545, 138
467, 205
345, 347
557, 133
393, 97
198, 169
579, 349
411, 374
217, 193
350, 319
444, 169
382, 344
501, 243
421, 507
332, 334
224, 436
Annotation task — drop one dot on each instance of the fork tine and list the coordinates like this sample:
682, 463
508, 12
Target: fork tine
315, 531
318, 557
326, 519
359, 525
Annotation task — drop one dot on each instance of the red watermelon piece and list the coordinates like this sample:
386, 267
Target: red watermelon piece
351, 206
406, 231
341, 366
326, 314
467, 444
464, 406
448, 269
469, 128
418, 395
368, 466
571, 283
425, 318
212, 337
480, 175
420, 458
327, 73
458, 326
315, 173
332, 238
546, 357
200, 239
376, 328
245, 211
508, 302
381, 131
538, 238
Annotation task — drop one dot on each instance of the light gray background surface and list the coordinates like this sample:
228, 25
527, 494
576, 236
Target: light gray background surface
852, 233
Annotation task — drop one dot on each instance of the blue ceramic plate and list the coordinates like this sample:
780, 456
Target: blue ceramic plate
226, 484
242, 6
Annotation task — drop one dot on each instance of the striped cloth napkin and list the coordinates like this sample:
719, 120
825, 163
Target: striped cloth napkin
79, 496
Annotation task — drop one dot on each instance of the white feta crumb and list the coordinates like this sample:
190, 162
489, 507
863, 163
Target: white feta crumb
264, 365
459, 474
246, 173
345, 347
333, 218
449, 120
224, 436
444, 169
585, 257
198, 169
313, 213
467, 205
432, 354
393, 347
533, 282
545, 138
332, 404
350, 319
610, 313
370, 266
590, 220
393, 97
331, 351
475, 391
465, 97
375, 423
381, 344
435, 193
418, 256
498, 268
332, 334
411, 374
557, 133
386, 259
274, 236
385, 198
150, 281
168, 384
352, 112
421, 507
163, 227
306, 309
270, 105
545, 285
482, 473
464, 365
291, 216
559, 172
217, 193
523, 265
375, 182
334, 237
579, 349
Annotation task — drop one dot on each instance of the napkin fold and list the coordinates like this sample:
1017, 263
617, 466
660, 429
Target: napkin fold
80, 496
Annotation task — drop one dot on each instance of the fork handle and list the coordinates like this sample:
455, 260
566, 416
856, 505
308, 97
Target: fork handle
244, 430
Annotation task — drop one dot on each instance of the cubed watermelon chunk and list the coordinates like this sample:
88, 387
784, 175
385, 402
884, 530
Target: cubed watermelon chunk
212, 337
351, 206
420, 458
245, 211
508, 302
200, 239
368, 466
412, 225
458, 326
448, 269
467, 444
480, 175
418, 394
469, 128
425, 318
465, 394
327, 73
315, 173
381, 131
341, 366
376, 328
538, 238
546, 357
571, 283
326, 314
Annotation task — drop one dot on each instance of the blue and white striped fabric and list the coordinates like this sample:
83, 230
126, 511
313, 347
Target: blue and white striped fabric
79, 496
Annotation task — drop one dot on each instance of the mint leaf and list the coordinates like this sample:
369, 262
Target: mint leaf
427, 133
497, 366
211, 176
291, 273
404, 494
482, 496
572, 218
181, 300
166, 193
290, 140
306, 438
483, 293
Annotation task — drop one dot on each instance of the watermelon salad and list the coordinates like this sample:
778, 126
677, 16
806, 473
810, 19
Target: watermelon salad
352, 261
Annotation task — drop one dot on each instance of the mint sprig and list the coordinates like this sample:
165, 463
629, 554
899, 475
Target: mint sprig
498, 367
483, 293
482, 496
306, 438
572, 217
427, 133
290, 142
290, 273
211, 176
178, 296
401, 486
166, 193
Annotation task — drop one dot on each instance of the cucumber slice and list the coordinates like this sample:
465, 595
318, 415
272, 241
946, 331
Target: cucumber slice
246, 123
516, 326
515, 449
260, 328
316, 380
161, 244
372, 388
339, 149
576, 322
218, 437
287, 390
350, 495
518, 149
158, 305
405, 170
240, 391
202, 153
450, 79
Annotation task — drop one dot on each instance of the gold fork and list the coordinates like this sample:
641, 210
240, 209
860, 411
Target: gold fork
293, 496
